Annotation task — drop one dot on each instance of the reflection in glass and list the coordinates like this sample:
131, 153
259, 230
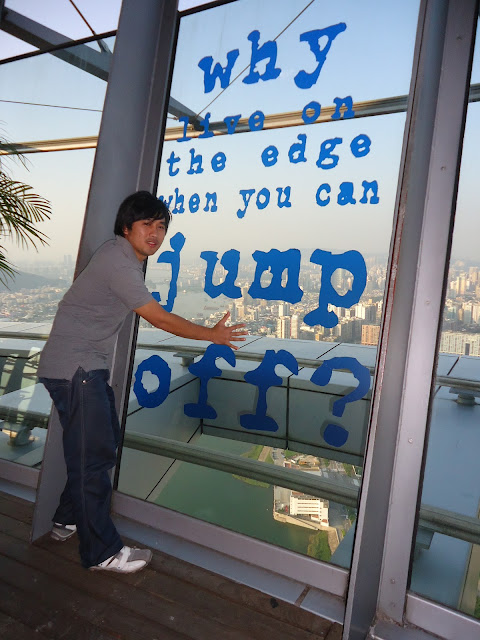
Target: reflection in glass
282, 207
306, 524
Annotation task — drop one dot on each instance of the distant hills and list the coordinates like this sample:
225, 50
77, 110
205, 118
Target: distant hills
26, 281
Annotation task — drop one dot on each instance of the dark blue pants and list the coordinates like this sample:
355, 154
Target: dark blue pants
91, 434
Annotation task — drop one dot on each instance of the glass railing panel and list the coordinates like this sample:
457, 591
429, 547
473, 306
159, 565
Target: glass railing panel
447, 569
282, 203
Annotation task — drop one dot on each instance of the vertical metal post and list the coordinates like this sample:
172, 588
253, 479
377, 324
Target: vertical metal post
126, 160
427, 310
406, 362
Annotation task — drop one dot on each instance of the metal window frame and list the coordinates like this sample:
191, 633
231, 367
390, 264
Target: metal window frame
407, 357
55, 48
144, 50
263, 555
203, 5
123, 164
433, 264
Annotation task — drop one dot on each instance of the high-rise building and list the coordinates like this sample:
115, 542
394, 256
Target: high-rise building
338, 279
307, 333
465, 344
247, 298
294, 330
240, 311
476, 313
467, 314
283, 309
370, 334
284, 327
370, 313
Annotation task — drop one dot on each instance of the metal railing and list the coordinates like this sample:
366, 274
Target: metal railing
432, 518
188, 353
367, 108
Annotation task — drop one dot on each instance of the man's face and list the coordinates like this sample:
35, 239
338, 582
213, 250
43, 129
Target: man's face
145, 236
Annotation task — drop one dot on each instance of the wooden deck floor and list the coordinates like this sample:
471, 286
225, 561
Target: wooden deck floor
45, 593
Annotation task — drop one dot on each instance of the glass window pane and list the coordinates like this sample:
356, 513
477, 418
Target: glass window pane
446, 566
51, 97
282, 199
28, 303
11, 46
62, 17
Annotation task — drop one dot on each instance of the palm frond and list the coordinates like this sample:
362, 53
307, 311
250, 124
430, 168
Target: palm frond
20, 210
6, 270
12, 151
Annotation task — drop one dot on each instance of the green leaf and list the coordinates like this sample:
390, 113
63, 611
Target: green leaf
7, 272
20, 210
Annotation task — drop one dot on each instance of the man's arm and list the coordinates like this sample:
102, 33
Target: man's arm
219, 334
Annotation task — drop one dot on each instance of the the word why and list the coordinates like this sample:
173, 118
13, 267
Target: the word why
267, 54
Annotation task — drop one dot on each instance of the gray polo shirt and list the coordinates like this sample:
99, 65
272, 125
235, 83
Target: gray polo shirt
92, 311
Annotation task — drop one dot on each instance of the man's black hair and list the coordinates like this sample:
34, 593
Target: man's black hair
141, 205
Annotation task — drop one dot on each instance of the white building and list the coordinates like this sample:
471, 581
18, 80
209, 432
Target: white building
461, 343
305, 505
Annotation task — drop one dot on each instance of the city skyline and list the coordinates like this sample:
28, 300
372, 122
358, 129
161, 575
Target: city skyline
359, 324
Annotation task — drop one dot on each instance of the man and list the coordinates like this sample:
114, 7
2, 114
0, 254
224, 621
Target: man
75, 368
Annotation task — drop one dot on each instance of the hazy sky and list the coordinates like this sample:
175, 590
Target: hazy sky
370, 59
353, 67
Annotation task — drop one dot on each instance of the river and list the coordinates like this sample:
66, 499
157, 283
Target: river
219, 498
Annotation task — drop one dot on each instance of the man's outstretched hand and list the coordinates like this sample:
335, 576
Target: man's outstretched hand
222, 334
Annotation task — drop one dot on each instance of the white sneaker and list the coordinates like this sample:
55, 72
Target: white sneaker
127, 560
62, 532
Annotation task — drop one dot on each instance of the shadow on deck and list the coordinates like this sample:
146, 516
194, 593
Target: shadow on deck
45, 593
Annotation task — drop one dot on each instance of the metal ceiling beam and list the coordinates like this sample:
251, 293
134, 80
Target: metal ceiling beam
79, 55
38, 35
